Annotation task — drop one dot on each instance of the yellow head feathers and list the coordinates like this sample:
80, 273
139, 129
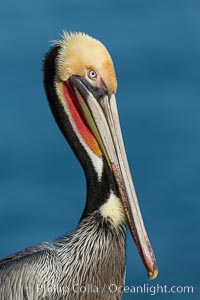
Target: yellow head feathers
80, 52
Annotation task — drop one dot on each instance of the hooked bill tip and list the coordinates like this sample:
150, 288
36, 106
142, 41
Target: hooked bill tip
154, 274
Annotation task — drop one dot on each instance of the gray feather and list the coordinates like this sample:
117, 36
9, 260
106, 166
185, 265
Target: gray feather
92, 258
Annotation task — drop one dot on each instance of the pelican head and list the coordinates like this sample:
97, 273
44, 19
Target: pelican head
81, 90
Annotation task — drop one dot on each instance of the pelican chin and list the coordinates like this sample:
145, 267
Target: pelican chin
80, 83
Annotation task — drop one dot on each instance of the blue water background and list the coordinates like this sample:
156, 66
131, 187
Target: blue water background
155, 46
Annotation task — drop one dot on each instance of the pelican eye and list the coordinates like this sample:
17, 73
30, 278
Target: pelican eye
92, 74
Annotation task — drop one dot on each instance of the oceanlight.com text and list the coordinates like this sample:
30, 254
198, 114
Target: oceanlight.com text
152, 289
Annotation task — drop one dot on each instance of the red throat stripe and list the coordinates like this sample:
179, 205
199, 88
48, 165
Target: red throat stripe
78, 118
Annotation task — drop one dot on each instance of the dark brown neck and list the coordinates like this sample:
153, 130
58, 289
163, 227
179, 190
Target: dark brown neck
98, 191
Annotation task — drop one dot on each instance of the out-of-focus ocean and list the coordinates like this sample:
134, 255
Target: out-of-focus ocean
155, 46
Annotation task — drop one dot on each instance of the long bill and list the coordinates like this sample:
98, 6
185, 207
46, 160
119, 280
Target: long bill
103, 120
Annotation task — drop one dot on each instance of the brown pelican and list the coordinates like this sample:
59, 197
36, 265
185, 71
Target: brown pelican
80, 84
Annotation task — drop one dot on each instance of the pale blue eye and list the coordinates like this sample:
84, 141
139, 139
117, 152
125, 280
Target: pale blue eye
92, 74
